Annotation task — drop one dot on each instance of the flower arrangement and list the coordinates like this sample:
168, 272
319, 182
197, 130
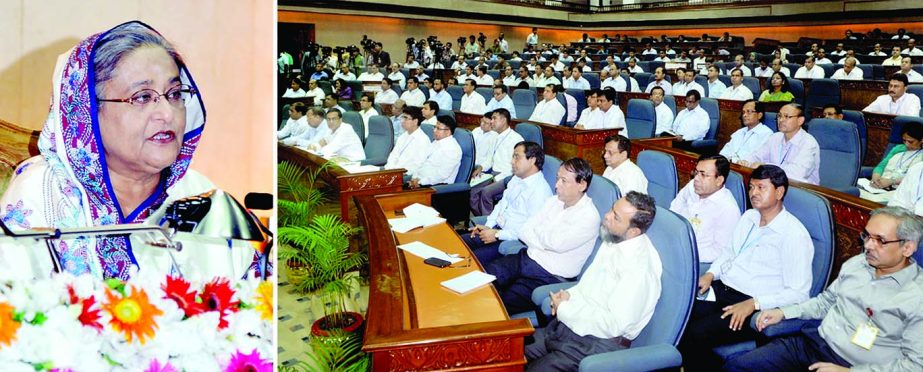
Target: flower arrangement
149, 323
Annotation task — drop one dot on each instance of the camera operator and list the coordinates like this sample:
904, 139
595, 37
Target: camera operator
356, 62
471, 48
378, 56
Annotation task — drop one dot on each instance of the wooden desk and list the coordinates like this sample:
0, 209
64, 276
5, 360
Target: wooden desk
850, 213
413, 323
560, 141
347, 184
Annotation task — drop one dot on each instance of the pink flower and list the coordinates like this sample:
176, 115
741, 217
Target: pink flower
252, 362
157, 367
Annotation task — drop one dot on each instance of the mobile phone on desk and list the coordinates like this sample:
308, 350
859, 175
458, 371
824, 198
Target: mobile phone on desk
438, 262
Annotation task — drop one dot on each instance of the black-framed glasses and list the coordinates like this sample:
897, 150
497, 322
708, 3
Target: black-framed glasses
865, 236
175, 96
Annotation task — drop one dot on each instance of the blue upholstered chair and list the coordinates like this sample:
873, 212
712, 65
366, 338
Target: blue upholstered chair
753, 84
797, 88
735, 184
655, 346
593, 78
487, 93
815, 214
894, 139
580, 96
524, 101
769, 120
856, 117
446, 112
643, 79
726, 79
709, 144
355, 120
660, 170
380, 141
641, 119
396, 87
822, 92
703, 81
917, 90
530, 132
495, 74
829, 69
563, 102
456, 92
452, 200
428, 129
839, 152
346, 105
670, 101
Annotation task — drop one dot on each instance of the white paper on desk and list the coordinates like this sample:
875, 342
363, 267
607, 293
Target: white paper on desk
469, 281
403, 225
420, 210
424, 251
360, 168
866, 185
481, 178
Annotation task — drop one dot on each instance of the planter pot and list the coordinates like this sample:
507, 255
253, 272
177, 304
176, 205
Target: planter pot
352, 324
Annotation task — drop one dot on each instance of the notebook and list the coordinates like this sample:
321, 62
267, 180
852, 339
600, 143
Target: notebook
468, 282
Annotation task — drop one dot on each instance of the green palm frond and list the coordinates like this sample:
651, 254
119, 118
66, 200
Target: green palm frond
337, 352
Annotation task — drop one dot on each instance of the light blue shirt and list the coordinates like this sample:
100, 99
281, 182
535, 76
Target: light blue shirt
443, 99
523, 198
746, 140
799, 158
398, 129
716, 88
506, 103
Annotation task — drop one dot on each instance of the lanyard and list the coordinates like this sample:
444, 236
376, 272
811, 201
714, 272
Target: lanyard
745, 246
919, 181
905, 158
500, 141
784, 154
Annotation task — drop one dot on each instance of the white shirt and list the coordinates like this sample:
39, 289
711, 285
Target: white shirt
289, 93
413, 64
784, 70
344, 142
664, 118
628, 177
823, 61
743, 68
293, 127
908, 104
614, 118
548, 112
484, 144
814, 73
667, 88
773, 264
541, 82
409, 152
511, 81
909, 193
571, 107
523, 198
501, 158
504, 46
473, 103
386, 97
617, 294
441, 164
691, 124
716, 88
914, 77
636, 69
506, 103
366, 115
712, 218
799, 158
561, 239
877, 54
347, 76
309, 136
462, 78
582, 83
682, 87
398, 77
413, 97
738, 93
855, 74
318, 95
914, 52
443, 99
367, 76
842, 61
532, 39
762, 72
744, 141
484, 80
587, 115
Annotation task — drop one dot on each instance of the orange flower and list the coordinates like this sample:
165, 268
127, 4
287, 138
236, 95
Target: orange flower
264, 303
132, 315
8, 326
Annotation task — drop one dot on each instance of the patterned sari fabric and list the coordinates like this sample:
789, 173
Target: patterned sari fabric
68, 185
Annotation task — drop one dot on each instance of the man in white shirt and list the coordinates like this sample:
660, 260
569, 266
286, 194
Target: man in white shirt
548, 110
442, 160
412, 147
777, 67
316, 92
522, 78
429, 110
386, 95
344, 73
591, 111
504, 45
692, 122
469, 74
715, 86
849, 54
372, 75
558, 239
813, 50
523, 198
547, 78
397, 110
619, 168
501, 100
821, 58
901, 35
397, 76
610, 65
662, 57
485, 139
565, 58
509, 77
576, 80
610, 115
737, 91
739, 64
366, 111
294, 90
556, 64
897, 101
532, 39
838, 50
710, 207
849, 71
648, 49
659, 81
894, 59
809, 70
907, 69
877, 51
413, 96
763, 71
590, 318
912, 49
342, 140
687, 82
749, 138
664, 113
472, 102
459, 65
411, 62
440, 95
766, 264
296, 124
498, 164
482, 78
791, 148
330, 103
315, 131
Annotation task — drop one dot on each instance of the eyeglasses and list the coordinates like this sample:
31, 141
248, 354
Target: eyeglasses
865, 236
176, 96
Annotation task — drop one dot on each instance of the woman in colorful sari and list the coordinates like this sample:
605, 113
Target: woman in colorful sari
124, 122
778, 89
891, 170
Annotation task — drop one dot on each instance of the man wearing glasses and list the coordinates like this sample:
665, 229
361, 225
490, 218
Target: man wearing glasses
692, 122
443, 159
766, 264
501, 100
709, 206
791, 148
342, 140
749, 138
472, 102
871, 318
412, 147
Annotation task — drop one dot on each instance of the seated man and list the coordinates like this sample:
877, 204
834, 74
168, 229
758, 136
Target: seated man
791, 148
548, 110
576, 81
558, 239
372, 75
501, 100
709, 206
342, 140
619, 168
316, 130
366, 110
615, 298
498, 164
752, 136
444, 157
524, 196
766, 264
715, 86
692, 122
848, 71
610, 115
591, 111
472, 102
397, 76
296, 124
737, 91
664, 112
413, 96
440, 95
809, 70
482, 78
429, 111
833, 111
386, 95
316, 92
870, 314
897, 101
659, 81
485, 139
907, 69
412, 147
